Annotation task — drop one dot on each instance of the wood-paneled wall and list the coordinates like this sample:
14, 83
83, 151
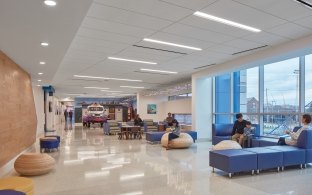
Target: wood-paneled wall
18, 119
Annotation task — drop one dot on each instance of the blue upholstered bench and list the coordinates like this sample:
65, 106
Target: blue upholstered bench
233, 161
267, 158
155, 137
49, 143
291, 155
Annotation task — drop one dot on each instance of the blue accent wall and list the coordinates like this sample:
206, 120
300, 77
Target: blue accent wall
223, 98
236, 92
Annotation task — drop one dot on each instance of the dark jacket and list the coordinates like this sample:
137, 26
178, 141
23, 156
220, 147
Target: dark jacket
138, 122
239, 127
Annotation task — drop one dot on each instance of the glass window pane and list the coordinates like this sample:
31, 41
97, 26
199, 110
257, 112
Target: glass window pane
223, 97
249, 90
281, 86
308, 83
275, 125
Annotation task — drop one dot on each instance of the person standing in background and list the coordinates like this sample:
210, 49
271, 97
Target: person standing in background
71, 115
65, 115
169, 119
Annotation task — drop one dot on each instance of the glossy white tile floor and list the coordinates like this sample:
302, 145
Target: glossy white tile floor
91, 163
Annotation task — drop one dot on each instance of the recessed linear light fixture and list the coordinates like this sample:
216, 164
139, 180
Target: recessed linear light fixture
38, 85
44, 44
39, 80
225, 21
171, 44
111, 91
134, 87
163, 71
304, 3
95, 88
107, 78
40, 73
129, 60
50, 3
42, 63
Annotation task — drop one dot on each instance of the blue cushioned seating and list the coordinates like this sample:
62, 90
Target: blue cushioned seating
305, 142
49, 144
267, 158
222, 132
232, 161
291, 155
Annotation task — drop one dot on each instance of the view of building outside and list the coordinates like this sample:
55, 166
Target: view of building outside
281, 96
252, 94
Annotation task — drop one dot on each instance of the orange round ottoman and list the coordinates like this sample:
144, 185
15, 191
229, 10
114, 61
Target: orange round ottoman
34, 164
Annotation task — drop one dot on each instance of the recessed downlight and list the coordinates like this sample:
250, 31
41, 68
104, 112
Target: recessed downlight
131, 60
225, 21
40, 73
42, 63
50, 3
162, 71
44, 44
171, 44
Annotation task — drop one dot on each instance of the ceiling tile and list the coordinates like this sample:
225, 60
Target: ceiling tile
288, 10
266, 38
150, 7
193, 4
197, 33
305, 22
126, 17
117, 28
290, 30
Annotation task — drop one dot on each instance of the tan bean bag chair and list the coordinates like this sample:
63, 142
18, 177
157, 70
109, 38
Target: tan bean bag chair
226, 144
183, 141
34, 164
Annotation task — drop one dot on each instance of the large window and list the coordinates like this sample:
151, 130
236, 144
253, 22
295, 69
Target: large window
271, 95
308, 84
281, 96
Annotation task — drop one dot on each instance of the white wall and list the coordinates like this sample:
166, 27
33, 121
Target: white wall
142, 102
202, 107
182, 106
39, 104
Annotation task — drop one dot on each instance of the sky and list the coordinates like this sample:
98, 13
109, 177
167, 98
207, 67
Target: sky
281, 82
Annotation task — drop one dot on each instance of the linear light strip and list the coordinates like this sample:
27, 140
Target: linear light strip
171, 44
225, 21
129, 60
134, 87
107, 78
95, 88
112, 91
164, 71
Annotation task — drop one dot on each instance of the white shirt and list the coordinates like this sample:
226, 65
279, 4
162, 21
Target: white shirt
292, 140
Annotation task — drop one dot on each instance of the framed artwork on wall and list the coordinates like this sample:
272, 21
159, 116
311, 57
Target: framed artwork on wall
151, 108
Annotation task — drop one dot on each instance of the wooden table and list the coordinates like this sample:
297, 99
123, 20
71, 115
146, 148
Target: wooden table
128, 131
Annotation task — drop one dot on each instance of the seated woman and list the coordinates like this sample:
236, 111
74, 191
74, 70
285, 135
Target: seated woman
174, 132
292, 140
138, 121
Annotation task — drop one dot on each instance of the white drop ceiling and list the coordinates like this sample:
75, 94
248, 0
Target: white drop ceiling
83, 33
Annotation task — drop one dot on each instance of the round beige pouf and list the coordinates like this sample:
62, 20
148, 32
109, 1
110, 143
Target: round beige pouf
30, 164
183, 141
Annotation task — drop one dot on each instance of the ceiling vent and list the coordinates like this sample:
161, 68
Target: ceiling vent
170, 51
205, 66
249, 50
150, 73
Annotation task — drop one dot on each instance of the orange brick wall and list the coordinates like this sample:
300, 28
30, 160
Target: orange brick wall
18, 119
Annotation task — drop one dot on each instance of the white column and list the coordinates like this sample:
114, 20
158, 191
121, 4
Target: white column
202, 107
